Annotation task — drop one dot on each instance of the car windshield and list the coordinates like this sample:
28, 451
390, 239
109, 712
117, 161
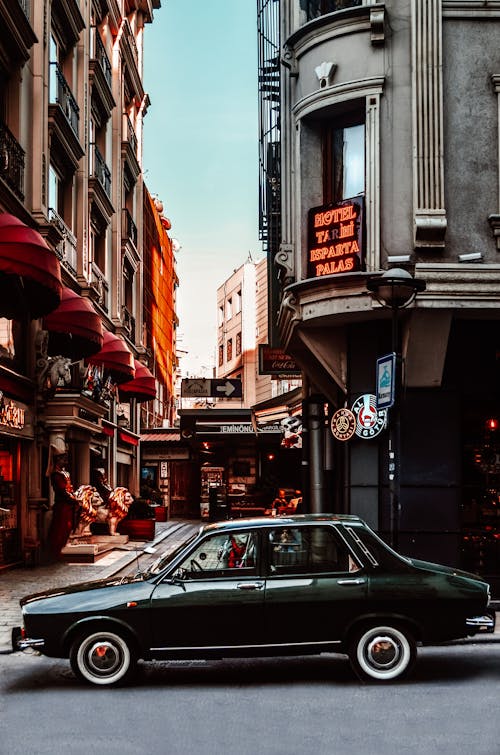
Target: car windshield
167, 558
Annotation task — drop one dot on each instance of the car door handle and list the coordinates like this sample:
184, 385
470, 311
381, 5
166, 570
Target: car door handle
355, 581
250, 585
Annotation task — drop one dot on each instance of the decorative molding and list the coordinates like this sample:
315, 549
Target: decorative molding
372, 187
325, 73
428, 143
285, 261
377, 23
494, 221
348, 90
289, 60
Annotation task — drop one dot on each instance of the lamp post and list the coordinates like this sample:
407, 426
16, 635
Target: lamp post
395, 289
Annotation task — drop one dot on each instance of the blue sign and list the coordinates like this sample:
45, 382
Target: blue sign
386, 376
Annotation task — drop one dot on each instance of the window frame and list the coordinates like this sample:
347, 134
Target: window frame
286, 572
333, 194
227, 573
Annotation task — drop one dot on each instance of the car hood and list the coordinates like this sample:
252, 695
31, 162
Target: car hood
441, 569
81, 587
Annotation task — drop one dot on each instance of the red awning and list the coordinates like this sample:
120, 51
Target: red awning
75, 328
30, 275
142, 387
116, 357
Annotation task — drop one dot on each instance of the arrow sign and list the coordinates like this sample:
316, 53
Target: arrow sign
229, 388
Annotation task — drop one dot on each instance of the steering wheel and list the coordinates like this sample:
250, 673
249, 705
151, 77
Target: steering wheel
195, 566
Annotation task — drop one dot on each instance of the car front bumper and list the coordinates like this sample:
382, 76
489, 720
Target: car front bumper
20, 642
481, 624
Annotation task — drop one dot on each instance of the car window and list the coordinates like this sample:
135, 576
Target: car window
306, 550
224, 554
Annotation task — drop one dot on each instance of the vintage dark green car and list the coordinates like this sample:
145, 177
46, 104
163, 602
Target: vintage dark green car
262, 587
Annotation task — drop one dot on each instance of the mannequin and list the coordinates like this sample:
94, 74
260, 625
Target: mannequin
66, 504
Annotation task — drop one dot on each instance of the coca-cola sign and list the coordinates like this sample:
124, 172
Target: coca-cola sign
274, 361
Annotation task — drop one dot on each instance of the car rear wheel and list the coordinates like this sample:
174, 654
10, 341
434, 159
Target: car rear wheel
382, 653
102, 658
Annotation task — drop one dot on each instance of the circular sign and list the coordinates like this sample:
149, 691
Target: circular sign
370, 421
343, 424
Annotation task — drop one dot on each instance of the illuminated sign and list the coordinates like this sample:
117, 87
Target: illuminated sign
335, 238
275, 362
12, 415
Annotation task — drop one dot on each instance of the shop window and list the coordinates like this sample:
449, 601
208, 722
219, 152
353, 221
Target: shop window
229, 349
11, 344
344, 159
310, 9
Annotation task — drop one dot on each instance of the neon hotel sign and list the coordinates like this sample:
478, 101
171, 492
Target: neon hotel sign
335, 238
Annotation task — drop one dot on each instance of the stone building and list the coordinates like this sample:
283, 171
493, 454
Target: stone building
75, 362
385, 158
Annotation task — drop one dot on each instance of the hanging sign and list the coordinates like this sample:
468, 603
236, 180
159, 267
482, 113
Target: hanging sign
335, 238
370, 421
343, 424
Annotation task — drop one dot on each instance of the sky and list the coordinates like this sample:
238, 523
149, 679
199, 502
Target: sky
201, 152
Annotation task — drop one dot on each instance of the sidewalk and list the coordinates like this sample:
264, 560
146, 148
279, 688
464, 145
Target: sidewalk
16, 583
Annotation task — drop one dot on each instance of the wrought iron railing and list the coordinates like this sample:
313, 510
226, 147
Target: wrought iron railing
129, 228
101, 56
25, 5
11, 161
66, 248
99, 284
60, 93
100, 170
128, 323
316, 8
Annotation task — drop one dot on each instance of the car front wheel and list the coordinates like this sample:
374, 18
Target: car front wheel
382, 653
102, 658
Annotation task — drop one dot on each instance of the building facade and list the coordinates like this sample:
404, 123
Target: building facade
389, 158
75, 362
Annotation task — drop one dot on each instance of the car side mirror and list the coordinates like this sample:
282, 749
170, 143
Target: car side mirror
180, 573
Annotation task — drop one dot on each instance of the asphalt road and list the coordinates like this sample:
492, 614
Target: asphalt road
265, 707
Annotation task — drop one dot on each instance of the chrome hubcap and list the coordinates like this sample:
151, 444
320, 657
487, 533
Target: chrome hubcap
103, 657
383, 652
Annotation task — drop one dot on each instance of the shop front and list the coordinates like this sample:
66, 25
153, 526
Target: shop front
16, 435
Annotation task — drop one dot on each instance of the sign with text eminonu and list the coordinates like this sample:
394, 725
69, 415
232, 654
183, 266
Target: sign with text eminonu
335, 238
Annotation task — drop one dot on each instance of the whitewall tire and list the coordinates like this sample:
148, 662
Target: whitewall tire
382, 653
102, 658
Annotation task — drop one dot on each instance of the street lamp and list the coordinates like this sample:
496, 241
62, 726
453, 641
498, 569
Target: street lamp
395, 289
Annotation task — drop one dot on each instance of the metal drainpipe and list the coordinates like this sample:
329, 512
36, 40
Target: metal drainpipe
316, 454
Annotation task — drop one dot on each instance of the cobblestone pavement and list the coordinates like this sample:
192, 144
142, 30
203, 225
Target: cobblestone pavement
16, 583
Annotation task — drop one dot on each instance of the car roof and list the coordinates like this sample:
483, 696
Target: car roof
267, 521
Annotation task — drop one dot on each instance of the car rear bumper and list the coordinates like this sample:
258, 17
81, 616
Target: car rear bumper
481, 624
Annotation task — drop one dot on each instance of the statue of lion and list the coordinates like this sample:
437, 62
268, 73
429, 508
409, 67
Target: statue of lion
120, 500
91, 509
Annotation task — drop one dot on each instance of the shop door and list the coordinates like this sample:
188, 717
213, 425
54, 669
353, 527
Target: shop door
184, 490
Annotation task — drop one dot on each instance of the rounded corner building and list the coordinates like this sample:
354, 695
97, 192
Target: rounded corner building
380, 208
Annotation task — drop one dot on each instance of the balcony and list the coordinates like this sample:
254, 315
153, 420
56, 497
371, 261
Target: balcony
11, 162
129, 228
100, 75
64, 117
132, 168
99, 288
66, 248
316, 8
16, 35
128, 324
100, 184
